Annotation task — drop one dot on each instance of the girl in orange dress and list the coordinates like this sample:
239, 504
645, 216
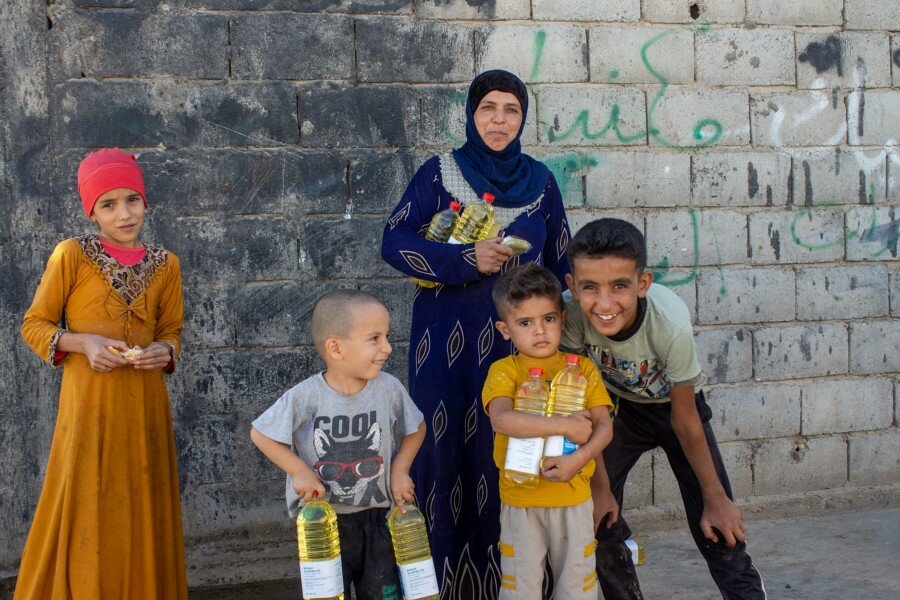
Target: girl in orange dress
108, 523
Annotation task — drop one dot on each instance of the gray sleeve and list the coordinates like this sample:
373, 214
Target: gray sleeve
405, 415
280, 420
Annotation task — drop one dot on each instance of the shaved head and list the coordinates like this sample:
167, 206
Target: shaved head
334, 314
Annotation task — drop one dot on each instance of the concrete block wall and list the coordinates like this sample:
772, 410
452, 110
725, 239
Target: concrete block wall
754, 142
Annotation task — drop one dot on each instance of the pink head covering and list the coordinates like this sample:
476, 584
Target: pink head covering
106, 170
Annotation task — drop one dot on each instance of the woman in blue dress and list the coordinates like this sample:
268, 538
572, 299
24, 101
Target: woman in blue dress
453, 340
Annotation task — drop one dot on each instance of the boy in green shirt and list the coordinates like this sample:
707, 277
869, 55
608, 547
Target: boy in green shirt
639, 335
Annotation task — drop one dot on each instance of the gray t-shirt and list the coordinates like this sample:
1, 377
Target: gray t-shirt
656, 357
348, 441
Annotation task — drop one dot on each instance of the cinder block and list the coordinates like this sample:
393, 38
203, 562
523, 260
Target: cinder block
245, 181
275, 314
549, 53
205, 382
872, 14
207, 321
795, 12
639, 179
873, 118
417, 52
174, 114
875, 457
639, 484
842, 292
840, 405
800, 465
332, 247
691, 237
740, 178
291, 46
738, 56
839, 177
206, 452
874, 347
796, 236
665, 486
812, 118
755, 411
800, 351
579, 218
591, 116
726, 355
586, 10
895, 294
745, 295
333, 115
895, 56
695, 118
214, 508
569, 167
397, 297
679, 11
681, 281
738, 459
641, 55
444, 117
378, 180
847, 60
872, 233
465, 9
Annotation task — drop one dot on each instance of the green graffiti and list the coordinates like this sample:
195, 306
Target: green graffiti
865, 234
661, 270
614, 74
456, 100
707, 131
565, 165
540, 38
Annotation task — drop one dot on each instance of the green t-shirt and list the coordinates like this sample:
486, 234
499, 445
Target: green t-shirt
645, 363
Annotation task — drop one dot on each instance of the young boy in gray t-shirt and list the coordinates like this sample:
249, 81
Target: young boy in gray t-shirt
353, 429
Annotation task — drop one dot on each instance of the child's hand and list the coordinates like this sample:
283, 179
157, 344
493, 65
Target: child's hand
402, 488
605, 506
96, 349
721, 514
579, 427
307, 485
154, 356
561, 468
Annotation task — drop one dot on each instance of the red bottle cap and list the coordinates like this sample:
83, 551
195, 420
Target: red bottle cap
488, 197
572, 359
454, 206
536, 372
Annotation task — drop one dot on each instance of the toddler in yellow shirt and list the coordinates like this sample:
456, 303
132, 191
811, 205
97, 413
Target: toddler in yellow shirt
556, 515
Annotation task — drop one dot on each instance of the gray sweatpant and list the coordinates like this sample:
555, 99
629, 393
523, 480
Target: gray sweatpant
527, 535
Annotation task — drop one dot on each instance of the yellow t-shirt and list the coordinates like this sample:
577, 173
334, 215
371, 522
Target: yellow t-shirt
503, 380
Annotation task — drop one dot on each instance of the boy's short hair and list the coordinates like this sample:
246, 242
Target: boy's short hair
523, 282
333, 314
609, 237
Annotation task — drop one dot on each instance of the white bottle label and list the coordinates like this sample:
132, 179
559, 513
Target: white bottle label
453, 240
418, 579
322, 578
558, 445
524, 455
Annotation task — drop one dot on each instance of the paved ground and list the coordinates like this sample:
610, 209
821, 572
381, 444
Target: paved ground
842, 556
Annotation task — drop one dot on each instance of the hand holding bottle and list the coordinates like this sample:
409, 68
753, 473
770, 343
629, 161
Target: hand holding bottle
307, 485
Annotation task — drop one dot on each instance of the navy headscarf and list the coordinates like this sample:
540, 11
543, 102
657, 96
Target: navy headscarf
515, 179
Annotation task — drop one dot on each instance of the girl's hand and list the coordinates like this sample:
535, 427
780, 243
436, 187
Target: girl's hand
155, 356
490, 254
95, 348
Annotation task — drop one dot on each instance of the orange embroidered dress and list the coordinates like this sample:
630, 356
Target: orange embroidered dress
108, 523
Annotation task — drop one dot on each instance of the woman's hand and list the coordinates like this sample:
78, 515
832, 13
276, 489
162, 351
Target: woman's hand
154, 356
96, 349
490, 254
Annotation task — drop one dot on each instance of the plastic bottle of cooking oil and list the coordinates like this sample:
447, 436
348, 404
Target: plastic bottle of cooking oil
523, 456
567, 395
439, 230
413, 554
321, 575
637, 551
475, 223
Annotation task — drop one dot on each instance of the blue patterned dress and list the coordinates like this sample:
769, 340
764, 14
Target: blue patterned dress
453, 342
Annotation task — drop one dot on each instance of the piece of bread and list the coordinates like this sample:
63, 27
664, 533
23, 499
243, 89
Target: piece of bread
130, 355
